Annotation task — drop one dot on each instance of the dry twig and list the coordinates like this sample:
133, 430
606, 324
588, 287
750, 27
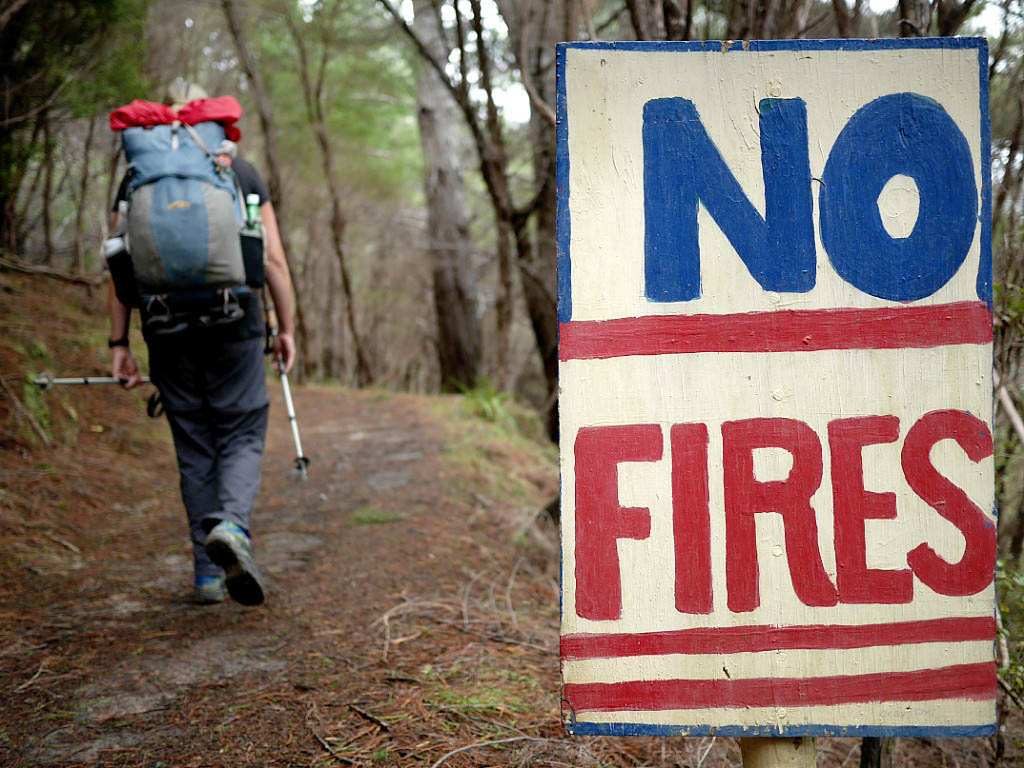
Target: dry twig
369, 716
331, 752
483, 744
35, 269
27, 683
25, 413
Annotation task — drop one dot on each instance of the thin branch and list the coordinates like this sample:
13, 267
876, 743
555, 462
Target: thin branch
460, 95
9, 11
27, 415
484, 744
35, 269
330, 751
536, 101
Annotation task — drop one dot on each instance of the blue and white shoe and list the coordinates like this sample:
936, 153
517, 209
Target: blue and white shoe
209, 590
229, 546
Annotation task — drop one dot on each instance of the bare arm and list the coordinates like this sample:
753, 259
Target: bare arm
123, 365
280, 284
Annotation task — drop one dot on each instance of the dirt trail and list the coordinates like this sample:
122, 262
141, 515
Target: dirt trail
368, 563
413, 608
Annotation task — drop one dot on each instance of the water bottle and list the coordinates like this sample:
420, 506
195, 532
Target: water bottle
252, 210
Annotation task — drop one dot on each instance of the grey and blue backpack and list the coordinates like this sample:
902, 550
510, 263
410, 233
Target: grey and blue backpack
183, 228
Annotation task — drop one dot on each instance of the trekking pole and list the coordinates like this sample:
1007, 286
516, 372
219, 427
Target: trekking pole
301, 460
46, 381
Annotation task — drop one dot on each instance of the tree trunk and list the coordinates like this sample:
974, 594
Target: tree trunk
503, 305
678, 19
83, 191
47, 190
448, 241
314, 105
112, 181
536, 36
270, 156
915, 18
950, 15
331, 356
876, 752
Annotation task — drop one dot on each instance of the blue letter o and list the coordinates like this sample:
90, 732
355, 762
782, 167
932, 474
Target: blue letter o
909, 134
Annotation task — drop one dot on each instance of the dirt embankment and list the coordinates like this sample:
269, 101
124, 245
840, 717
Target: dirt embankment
412, 617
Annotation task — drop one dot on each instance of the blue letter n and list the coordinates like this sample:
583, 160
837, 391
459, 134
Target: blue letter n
682, 167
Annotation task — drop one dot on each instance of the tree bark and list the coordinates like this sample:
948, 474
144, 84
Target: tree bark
10, 8
83, 191
915, 18
950, 15
270, 155
876, 752
448, 242
678, 19
47, 190
535, 37
313, 93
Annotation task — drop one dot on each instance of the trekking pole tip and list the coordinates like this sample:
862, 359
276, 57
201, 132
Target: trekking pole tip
301, 466
44, 381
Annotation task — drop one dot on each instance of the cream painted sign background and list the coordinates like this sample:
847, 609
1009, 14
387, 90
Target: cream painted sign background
777, 473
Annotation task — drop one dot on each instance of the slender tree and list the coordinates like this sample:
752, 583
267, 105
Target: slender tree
313, 94
448, 241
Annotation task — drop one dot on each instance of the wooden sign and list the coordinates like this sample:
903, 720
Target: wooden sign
776, 388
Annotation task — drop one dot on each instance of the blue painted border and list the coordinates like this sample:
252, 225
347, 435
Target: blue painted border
911, 731
563, 223
562, 219
839, 44
984, 289
985, 266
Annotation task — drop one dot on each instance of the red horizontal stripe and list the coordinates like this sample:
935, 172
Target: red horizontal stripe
751, 639
798, 330
964, 681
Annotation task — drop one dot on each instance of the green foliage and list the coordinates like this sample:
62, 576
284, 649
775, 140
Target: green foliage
487, 402
35, 403
1010, 591
371, 516
481, 700
368, 96
60, 59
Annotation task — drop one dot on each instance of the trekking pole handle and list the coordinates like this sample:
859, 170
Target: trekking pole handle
46, 381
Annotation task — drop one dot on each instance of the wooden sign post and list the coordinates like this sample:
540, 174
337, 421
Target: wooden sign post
776, 389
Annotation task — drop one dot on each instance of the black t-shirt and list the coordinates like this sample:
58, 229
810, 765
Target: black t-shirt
251, 326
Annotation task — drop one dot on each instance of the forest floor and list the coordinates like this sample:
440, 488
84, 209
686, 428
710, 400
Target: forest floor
412, 618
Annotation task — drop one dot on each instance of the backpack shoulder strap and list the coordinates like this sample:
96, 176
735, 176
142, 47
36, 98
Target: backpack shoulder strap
239, 197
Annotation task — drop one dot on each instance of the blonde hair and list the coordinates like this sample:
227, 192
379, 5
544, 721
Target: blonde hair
181, 92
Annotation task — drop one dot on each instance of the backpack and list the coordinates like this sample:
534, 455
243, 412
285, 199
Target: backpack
185, 215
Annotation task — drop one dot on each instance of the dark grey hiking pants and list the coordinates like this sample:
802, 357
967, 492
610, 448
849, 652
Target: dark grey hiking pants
215, 398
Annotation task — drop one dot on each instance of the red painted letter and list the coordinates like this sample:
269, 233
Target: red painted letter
745, 496
691, 521
600, 521
975, 570
853, 505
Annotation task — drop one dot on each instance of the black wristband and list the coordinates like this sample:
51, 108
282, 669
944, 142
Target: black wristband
122, 342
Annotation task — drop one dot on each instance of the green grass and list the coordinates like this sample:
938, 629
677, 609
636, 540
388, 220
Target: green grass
479, 700
371, 516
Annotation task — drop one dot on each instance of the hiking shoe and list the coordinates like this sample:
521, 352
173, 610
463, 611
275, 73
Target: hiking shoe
229, 547
209, 590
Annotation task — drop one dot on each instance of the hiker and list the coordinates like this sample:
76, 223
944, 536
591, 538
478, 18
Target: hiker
206, 361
